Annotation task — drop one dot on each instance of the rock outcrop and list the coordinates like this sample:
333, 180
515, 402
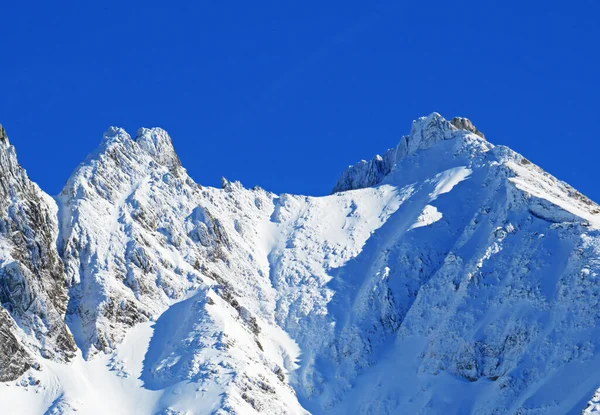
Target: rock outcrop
425, 132
466, 124
33, 287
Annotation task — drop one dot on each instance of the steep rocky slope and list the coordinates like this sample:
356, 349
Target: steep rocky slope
447, 276
33, 290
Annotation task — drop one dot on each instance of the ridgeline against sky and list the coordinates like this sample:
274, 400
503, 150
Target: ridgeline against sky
286, 96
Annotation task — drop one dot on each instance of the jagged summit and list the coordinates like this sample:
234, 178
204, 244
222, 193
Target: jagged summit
3, 137
425, 133
158, 144
465, 124
110, 192
113, 135
155, 142
436, 143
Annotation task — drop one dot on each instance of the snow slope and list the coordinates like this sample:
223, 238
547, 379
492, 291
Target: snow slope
448, 276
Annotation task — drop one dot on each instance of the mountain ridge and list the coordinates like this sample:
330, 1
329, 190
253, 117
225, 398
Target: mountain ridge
246, 301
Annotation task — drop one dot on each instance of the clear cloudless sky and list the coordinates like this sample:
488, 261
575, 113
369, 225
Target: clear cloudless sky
286, 94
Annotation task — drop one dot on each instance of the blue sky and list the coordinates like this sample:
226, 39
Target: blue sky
285, 95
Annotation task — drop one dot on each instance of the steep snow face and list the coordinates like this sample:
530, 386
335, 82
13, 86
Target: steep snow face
466, 290
447, 276
32, 283
477, 284
476, 296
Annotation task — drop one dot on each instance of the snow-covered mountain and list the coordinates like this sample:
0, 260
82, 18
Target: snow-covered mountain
448, 276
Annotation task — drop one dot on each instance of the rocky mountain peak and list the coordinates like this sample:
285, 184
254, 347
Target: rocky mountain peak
157, 143
3, 137
425, 133
114, 134
33, 295
465, 124
154, 142
13, 177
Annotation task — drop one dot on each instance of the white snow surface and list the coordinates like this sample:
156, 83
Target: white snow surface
458, 278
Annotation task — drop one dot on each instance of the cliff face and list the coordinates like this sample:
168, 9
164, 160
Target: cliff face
33, 289
448, 267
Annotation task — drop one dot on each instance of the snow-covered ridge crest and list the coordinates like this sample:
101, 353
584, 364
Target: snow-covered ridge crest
158, 144
440, 140
154, 141
425, 133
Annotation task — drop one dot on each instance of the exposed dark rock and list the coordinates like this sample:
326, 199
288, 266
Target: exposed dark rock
466, 124
14, 359
32, 279
3, 137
